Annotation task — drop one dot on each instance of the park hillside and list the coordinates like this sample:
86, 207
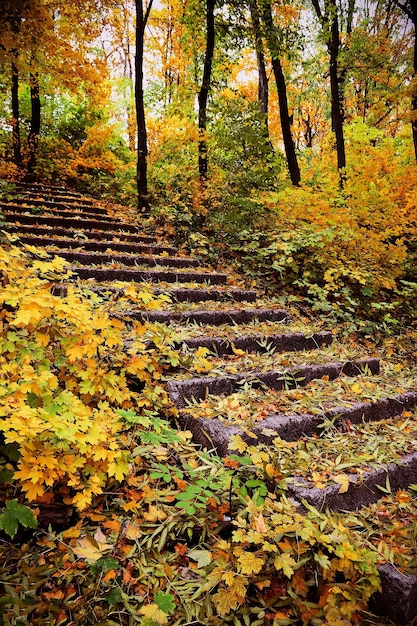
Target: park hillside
208, 320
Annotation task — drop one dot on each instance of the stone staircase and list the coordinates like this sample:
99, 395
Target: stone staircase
250, 343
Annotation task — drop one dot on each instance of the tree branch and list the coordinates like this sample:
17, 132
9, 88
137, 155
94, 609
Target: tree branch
148, 10
405, 9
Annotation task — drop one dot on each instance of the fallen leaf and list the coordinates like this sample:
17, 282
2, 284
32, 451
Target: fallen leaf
92, 548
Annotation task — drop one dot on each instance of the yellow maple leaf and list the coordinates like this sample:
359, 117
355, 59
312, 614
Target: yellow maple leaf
286, 563
250, 563
227, 600
153, 612
154, 514
237, 443
343, 480
118, 469
75, 352
132, 531
42, 339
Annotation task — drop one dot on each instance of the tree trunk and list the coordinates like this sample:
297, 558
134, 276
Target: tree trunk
414, 94
17, 153
410, 10
15, 20
286, 123
35, 123
204, 91
289, 146
263, 90
330, 24
337, 100
142, 167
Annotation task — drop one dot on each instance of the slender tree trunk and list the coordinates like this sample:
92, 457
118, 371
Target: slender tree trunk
335, 90
263, 90
414, 94
15, 21
129, 92
35, 123
204, 91
330, 25
286, 123
410, 10
289, 146
142, 168
17, 153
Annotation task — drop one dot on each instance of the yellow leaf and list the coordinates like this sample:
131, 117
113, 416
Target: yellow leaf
237, 443
42, 339
154, 514
286, 563
237, 351
228, 578
92, 549
227, 600
342, 480
118, 469
153, 612
260, 525
132, 531
250, 563
71, 533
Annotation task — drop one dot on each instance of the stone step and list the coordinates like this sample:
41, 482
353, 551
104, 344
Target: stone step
138, 275
53, 211
28, 200
177, 294
199, 388
215, 318
363, 490
398, 596
87, 258
46, 196
212, 432
98, 246
79, 234
286, 342
43, 187
68, 222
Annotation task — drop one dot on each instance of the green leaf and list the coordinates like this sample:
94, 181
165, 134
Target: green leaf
164, 601
33, 400
104, 565
15, 514
114, 596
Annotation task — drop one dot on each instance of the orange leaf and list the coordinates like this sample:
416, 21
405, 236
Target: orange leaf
111, 574
181, 484
57, 594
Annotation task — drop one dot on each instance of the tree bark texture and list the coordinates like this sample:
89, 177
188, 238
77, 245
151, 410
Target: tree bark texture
35, 123
142, 148
17, 152
15, 20
414, 94
204, 90
330, 25
289, 146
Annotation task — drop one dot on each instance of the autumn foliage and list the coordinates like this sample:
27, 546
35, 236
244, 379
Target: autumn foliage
64, 383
